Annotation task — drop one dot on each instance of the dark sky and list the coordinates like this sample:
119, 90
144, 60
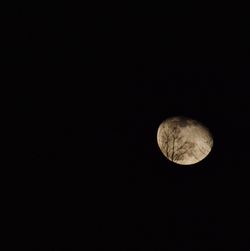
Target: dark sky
89, 94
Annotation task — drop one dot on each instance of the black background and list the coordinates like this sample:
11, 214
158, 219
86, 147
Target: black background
89, 88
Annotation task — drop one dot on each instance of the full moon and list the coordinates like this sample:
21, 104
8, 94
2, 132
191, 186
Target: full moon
183, 140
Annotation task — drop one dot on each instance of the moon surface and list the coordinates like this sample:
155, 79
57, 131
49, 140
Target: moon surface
183, 140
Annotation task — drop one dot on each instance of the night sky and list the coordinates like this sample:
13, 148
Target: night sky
89, 92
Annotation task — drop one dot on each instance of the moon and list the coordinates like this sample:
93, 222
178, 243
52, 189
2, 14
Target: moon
183, 140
